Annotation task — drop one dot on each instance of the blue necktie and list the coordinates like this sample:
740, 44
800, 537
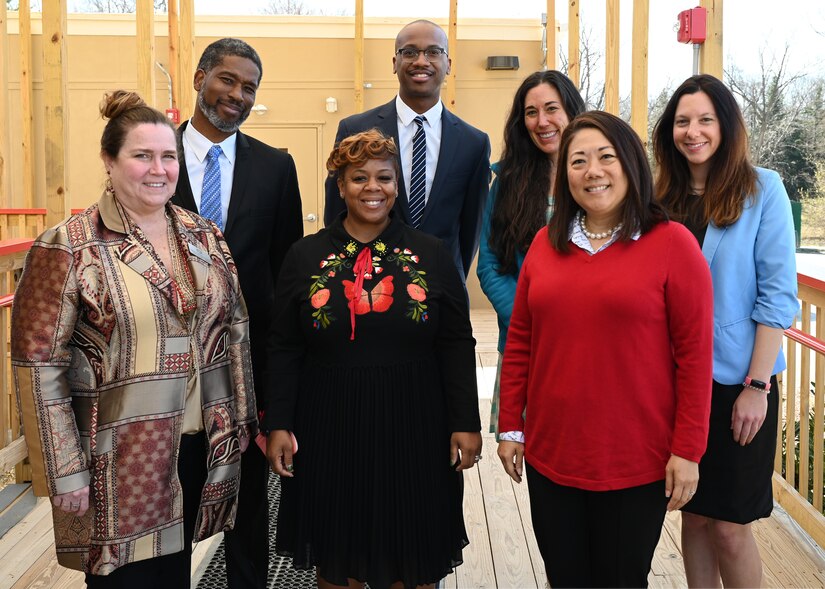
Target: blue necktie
211, 193
418, 173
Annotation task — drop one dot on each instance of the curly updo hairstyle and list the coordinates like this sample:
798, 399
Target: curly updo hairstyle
359, 148
124, 111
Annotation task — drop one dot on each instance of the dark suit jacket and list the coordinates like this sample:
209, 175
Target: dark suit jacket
459, 190
263, 221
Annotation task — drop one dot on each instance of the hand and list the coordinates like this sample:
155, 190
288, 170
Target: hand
466, 447
511, 455
749, 413
279, 452
681, 480
244, 435
76, 502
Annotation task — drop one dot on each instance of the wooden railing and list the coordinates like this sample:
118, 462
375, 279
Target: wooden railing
23, 223
798, 481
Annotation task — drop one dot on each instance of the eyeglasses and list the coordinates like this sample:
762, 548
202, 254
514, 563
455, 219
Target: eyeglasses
430, 53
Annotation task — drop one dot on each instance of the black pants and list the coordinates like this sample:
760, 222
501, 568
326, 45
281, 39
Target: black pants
171, 571
247, 546
596, 538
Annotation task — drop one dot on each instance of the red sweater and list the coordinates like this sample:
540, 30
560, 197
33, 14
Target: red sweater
611, 354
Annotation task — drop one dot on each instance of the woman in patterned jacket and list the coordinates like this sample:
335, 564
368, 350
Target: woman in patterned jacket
130, 353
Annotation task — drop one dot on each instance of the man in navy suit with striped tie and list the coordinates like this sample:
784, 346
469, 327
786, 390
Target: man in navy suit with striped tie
445, 162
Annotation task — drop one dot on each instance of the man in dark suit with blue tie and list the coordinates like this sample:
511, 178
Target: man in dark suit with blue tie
445, 162
251, 192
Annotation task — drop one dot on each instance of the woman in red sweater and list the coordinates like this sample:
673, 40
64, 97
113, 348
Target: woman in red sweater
609, 351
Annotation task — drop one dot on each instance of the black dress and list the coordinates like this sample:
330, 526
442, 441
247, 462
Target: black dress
374, 497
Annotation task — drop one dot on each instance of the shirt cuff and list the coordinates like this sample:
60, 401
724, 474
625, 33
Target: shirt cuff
511, 437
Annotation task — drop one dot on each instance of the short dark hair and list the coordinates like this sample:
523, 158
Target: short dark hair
361, 147
215, 52
640, 211
125, 110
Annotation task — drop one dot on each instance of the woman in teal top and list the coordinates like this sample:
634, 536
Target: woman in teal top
520, 199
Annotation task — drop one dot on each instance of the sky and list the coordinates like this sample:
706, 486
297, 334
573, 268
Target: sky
750, 27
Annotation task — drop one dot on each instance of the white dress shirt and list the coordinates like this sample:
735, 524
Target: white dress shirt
406, 130
196, 146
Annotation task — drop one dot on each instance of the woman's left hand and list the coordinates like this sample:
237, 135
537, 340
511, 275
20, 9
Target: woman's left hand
466, 447
681, 480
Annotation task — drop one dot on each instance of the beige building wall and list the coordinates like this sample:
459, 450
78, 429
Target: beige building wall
305, 61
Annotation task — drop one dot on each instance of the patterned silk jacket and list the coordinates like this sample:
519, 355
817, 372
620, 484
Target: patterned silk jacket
105, 346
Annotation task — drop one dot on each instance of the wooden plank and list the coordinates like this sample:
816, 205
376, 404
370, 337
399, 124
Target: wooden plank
511, 556
70, 579
21, 501
186, 59
358, 78
809, 519
5, 146
145, 32
452, 44
552, 29
56, 108
638, 78
477, 570
43, 573
790, 425
819, 416
38, 522
611, 73
523, 501
13, 453
573, 58
174, 40
668, 567
711, 53
26, 104
785, 562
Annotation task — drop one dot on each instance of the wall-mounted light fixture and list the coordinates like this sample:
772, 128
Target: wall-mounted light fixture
502, 62
332, 104
259, 109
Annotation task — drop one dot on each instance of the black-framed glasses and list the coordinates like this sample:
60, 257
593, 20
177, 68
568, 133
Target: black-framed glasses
430, 53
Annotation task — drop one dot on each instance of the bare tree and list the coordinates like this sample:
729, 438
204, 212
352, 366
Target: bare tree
299, 8
34, 5
114, 6
591, 73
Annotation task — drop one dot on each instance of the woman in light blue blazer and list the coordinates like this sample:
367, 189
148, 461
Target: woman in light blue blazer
741, 216
520, 202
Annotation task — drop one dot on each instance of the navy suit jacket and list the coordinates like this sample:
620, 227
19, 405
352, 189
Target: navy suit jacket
460, 186
263, 221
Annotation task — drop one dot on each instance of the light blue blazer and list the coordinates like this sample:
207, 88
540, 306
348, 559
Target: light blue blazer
753, 266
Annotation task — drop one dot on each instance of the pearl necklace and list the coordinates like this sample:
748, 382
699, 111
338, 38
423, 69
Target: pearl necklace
596, 236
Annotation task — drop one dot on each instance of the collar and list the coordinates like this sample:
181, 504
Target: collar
580, 240
380, 246
199, 145
406, 114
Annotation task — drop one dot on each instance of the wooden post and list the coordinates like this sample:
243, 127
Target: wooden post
710, 55
573, 42
552, 49
186, 59
638, 80
611, 73
452, 43
145, 32
26, 103
174, 40
358, 78
5, 179
56, 107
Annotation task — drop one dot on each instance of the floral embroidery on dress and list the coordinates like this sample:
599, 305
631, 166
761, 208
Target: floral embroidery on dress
318, 292
417, 289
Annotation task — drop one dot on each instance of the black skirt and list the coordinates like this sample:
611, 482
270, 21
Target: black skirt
735, 481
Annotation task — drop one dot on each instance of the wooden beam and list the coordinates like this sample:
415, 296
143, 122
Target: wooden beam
799, 509
5, 145
186, 59
552, 49
710, 55
638, 80
452, 43
573, 63
145, 32
611, 74
174, 41
56, 108
358, 78
26, 104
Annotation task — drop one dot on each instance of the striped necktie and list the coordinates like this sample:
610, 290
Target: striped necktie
211, 193
418, 173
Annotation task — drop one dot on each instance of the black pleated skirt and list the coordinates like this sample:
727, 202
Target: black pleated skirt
374, 497
735, 481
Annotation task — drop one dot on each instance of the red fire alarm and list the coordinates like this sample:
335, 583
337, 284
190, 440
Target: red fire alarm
692, 25
173, 115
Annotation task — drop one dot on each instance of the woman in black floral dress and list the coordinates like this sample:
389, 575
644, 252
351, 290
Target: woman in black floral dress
375, 377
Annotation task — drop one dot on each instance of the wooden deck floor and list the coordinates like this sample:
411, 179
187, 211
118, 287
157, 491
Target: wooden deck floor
502, 551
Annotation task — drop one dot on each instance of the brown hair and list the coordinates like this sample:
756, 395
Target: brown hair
640, 211
125, 110
731, 178
359, 148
